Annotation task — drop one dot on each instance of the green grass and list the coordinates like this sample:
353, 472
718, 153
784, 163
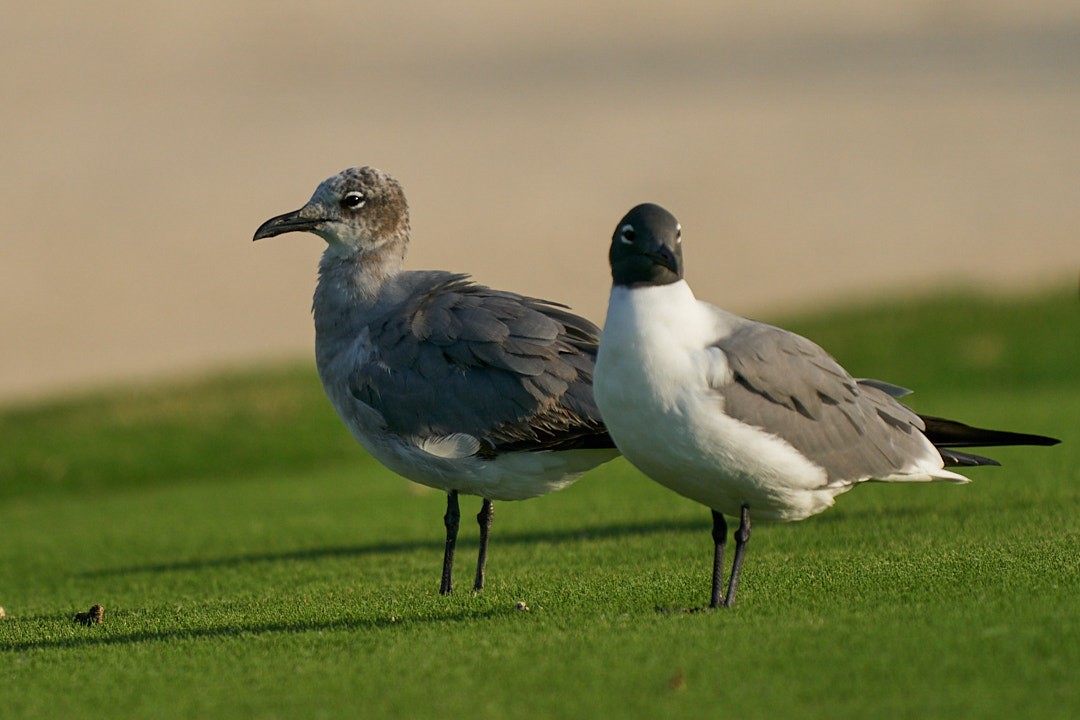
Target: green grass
253, 563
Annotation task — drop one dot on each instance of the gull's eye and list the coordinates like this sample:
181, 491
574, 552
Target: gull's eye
626, 236
678, 233
353, 200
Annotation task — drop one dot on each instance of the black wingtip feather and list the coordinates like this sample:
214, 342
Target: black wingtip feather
955, 458
951, 434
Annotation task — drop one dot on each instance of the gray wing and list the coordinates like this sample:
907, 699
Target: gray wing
458, 358
790, 387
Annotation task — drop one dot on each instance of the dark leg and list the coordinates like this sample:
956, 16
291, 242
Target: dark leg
452, 519
742, 537
719, 536
487, 511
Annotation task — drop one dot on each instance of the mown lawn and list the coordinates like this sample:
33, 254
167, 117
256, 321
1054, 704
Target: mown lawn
252, 562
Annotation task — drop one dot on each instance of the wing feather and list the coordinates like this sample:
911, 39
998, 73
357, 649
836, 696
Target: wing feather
787, 385
456, 358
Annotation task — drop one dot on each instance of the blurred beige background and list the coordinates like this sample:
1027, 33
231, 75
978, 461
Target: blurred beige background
815, 152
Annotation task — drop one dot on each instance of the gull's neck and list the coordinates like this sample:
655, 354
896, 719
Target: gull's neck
351, 283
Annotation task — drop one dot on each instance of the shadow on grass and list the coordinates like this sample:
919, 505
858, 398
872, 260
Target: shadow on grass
405, 546
872, 515
147, 636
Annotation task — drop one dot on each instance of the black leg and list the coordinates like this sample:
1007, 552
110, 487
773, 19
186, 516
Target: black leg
719, 536
742, 537
452, 519
487, 511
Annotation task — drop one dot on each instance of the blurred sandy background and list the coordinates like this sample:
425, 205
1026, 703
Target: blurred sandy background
815, 152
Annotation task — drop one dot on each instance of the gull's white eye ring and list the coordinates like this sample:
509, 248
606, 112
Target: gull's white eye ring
353, 200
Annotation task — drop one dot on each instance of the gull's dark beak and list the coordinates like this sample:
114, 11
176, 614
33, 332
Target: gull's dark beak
664, 257
289, 222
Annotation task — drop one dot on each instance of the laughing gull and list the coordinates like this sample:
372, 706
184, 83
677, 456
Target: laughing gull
745, 417
448, 383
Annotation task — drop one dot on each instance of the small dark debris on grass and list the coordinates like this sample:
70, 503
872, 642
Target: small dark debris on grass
521, 606
677, 683
93, 616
